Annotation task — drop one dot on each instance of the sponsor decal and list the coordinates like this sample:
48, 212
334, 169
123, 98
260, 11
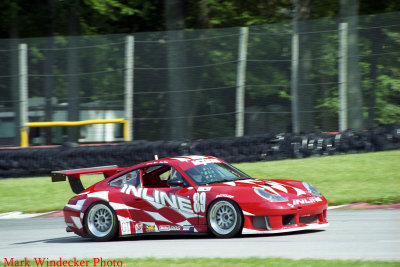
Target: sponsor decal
125, 227
189, 228
139, 228
164, 228
157, 162
175, 228
171, 200
182, 159
188, 158
205, 161
308, 200
204, 189
225, 195
190, 162
150, 228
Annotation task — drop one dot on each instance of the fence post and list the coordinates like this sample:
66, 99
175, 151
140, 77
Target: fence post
343, 55
241, 80
23, 92
129, 54
74, 80
295, 79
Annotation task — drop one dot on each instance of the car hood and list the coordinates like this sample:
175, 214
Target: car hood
285, 188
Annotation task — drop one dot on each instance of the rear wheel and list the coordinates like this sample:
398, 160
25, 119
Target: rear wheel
101, 222
224, 218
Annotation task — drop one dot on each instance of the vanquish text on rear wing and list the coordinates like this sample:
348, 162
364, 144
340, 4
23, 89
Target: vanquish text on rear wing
75, 175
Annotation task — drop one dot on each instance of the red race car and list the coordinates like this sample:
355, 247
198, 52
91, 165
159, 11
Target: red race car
188, 194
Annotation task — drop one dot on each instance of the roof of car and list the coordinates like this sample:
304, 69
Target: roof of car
188, 158
179, 159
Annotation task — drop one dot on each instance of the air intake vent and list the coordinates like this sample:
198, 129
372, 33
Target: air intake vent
309, 219
288, 219
261, 222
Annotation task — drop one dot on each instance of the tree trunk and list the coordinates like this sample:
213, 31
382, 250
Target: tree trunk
178, 102
348, 13
73, 69
48, 64
13, 33
375, 50
305, 107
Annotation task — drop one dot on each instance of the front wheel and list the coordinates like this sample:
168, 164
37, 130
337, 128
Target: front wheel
101, 222
224, 218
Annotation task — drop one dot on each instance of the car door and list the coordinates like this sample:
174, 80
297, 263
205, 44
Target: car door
157, 207
170, 207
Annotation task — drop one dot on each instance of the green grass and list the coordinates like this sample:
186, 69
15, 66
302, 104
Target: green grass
252, 262
368, 177
37, 194
230, 262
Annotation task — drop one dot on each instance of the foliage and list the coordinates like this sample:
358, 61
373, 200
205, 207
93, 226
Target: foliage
268, 74
124, 16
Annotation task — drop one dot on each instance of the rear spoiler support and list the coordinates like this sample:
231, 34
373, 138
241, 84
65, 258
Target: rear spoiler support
75, 175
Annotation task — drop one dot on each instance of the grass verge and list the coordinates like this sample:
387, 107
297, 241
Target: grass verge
250, 262
218, 262
368, 177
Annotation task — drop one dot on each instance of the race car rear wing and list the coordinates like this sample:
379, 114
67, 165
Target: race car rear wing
74, 176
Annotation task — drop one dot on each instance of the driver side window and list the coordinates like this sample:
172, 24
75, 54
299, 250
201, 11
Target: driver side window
157, 176
130, 178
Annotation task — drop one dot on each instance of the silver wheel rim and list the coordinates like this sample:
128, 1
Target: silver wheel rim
223, 217
100, 220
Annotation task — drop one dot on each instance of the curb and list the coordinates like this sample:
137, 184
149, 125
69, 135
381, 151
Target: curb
365, 205
58, 213
337, 207
21, 215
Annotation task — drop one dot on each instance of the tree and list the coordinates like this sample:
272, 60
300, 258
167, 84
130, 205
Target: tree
303, 97
348, 13
178, 102
73, 69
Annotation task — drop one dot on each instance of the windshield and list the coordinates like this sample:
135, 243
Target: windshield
214, 173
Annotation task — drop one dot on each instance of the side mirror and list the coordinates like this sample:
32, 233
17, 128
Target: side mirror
176, 182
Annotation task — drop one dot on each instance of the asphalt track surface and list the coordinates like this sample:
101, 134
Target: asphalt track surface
352, 234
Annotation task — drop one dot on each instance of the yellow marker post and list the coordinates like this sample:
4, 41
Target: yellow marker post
24, 137
126, 130
24, 133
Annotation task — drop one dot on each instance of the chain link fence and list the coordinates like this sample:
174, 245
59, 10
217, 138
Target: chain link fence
185, 83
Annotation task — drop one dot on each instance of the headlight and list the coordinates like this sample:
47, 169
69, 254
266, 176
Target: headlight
269, 196
312, 189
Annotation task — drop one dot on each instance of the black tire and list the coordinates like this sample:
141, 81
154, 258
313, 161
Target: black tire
101, 222
224, 218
